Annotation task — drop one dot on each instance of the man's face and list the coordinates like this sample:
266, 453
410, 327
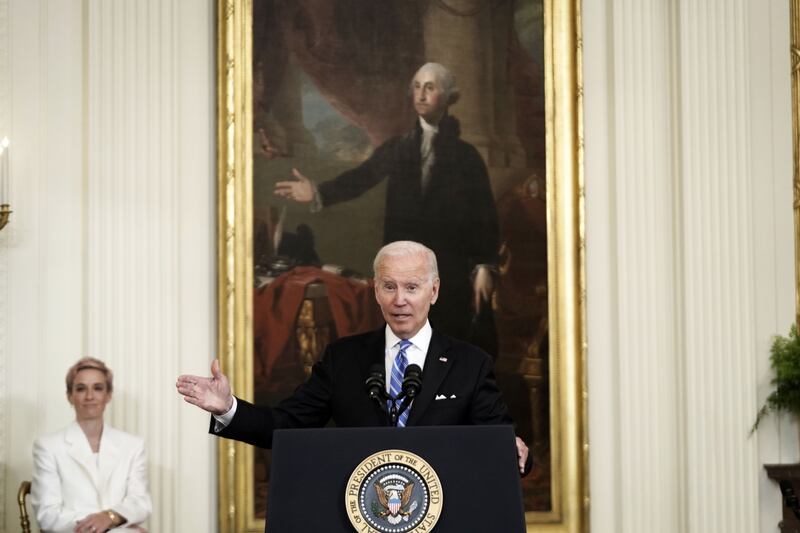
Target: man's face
405, 293
429, 98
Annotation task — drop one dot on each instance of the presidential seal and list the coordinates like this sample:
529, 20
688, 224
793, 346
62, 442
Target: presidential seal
393, 491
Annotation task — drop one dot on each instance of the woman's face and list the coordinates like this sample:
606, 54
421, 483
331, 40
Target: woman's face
90, 394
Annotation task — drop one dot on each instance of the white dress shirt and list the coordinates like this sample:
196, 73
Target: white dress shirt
427, 156
414, 353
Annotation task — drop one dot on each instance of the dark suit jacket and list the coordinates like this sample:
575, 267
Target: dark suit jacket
455, 216
335, 391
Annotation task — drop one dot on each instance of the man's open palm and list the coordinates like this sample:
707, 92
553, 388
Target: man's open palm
211, 394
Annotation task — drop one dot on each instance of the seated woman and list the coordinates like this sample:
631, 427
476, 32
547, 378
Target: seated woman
89, 477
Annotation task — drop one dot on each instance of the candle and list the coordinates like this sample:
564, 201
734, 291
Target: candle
3, 185
4, 171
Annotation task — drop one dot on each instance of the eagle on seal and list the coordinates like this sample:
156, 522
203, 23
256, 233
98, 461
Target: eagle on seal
394, 501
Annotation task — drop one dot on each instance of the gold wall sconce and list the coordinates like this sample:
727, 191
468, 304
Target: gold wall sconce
5, 212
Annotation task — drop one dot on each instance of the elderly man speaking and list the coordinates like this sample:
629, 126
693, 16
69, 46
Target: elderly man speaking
406, 285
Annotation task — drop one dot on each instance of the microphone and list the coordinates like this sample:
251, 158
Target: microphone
412, 381
376, 382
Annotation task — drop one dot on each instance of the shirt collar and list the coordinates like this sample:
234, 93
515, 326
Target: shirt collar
416, 352
421, 340
432, 128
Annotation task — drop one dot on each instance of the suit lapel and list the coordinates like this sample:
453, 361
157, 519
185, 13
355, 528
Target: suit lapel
438, 362
78, 448
374, 352
412, 173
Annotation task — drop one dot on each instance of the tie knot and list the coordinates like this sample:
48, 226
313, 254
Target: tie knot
404, 343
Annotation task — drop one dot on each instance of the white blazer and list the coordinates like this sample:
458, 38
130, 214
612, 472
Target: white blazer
69, 482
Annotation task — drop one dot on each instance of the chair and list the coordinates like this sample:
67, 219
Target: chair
24, 490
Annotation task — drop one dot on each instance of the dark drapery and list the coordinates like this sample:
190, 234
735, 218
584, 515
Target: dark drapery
360, 54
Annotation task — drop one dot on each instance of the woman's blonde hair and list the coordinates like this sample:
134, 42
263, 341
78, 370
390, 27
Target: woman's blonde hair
85, 363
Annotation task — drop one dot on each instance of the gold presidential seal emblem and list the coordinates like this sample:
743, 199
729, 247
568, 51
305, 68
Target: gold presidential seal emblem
393, 491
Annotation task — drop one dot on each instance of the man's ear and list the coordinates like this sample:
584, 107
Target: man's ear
435, 291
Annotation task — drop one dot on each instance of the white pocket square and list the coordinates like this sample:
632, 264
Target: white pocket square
444, 397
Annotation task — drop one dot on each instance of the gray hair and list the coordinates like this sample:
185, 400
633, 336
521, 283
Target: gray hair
445, 79
405, 249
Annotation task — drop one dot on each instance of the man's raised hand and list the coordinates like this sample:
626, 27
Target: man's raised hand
300, 189
211, 394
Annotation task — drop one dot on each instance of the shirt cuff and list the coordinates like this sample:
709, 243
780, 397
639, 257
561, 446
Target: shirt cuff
222, 421
316, 204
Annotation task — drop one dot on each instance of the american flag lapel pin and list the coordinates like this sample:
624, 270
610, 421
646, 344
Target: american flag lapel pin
443, 358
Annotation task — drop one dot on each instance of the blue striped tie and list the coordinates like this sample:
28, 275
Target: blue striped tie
396, 381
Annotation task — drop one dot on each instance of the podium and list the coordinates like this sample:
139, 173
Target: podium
469, 473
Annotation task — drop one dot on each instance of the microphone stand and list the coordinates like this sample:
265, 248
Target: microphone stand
412, 383
381, 397
376, 389
403, 399
394, 412
404, 404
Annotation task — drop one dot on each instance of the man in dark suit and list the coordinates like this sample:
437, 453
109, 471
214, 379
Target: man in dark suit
458, 385
438, 193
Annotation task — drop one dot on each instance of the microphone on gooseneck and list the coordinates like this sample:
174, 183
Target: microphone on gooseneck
412, 381
376, 383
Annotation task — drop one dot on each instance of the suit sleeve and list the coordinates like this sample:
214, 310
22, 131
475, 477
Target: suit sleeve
308, 407
355, 182
483, 234
46, 497
488, 406
136, 505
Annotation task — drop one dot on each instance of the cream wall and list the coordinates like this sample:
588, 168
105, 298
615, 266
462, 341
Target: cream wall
110, 108
689, 260
110, 251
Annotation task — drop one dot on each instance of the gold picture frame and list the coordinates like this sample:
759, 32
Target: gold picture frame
794, 51
565, 261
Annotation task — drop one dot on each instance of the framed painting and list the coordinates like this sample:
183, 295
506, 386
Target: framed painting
794, 45
309, 92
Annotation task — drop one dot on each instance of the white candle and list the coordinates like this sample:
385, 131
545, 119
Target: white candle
3, 185
6, 186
